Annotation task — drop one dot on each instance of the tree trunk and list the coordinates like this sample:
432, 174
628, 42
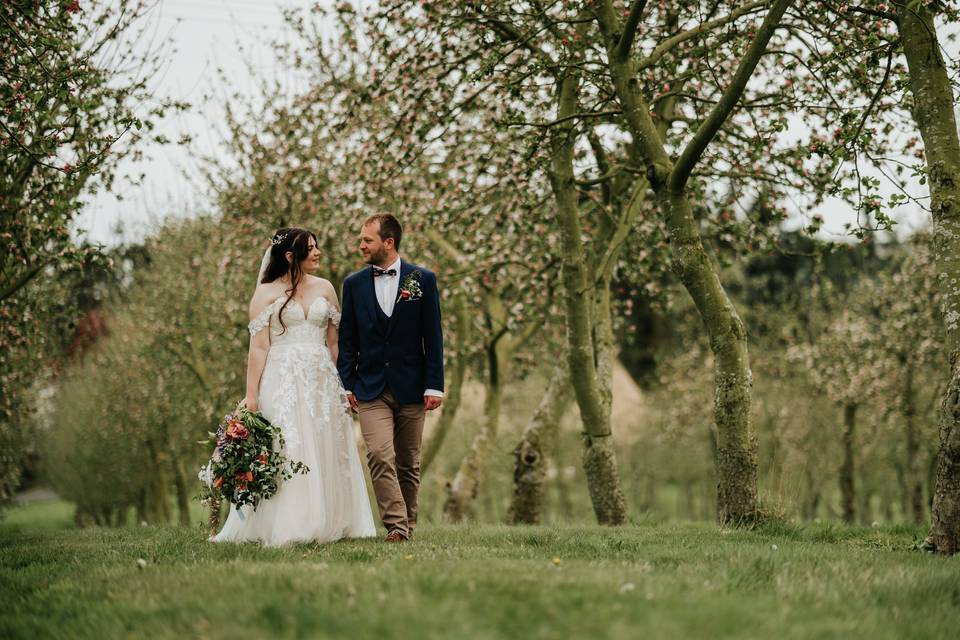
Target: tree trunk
141, 506
599, 460
847, 489
530, 464
158, 507
811, 502
690, 499
737, 444
650, 491
866, 499
888, 502
604, 345
454, 388
913, 479
903, 485
183, 495
933, 104
179, 479
736, 441
462, 491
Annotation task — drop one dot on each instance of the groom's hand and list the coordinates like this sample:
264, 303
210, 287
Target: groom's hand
431, 402
354, 405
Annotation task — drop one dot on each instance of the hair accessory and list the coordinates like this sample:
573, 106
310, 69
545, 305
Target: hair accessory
277, 239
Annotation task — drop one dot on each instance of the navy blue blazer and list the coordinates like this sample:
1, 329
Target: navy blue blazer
403, 353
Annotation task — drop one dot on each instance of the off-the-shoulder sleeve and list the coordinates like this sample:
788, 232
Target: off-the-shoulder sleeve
261, 321
334, 315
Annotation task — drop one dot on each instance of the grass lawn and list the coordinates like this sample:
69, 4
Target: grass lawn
475, 581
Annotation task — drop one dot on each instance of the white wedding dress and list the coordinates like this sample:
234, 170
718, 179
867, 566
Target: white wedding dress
300, 392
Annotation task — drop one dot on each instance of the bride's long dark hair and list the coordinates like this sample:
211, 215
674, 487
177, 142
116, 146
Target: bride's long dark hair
296, 241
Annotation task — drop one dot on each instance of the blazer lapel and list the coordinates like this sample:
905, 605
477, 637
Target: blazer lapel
405, 269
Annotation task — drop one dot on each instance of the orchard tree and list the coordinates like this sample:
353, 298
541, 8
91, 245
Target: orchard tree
911, 27
736, 451
72, 86
933, 109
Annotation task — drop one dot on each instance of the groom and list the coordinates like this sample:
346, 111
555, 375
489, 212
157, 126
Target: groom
391, 364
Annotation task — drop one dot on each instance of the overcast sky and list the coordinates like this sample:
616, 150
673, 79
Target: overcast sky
230, 35
204, 35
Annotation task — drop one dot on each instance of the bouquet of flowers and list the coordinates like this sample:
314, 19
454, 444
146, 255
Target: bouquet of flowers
246, 466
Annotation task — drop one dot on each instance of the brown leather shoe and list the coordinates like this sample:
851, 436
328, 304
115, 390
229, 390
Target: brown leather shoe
395, 536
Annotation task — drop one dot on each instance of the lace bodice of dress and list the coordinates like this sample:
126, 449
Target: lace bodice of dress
302, 326
299, 376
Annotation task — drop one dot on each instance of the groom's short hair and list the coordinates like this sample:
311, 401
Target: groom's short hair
389, 227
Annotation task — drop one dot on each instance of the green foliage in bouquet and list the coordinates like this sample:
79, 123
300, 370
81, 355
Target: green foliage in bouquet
247, 464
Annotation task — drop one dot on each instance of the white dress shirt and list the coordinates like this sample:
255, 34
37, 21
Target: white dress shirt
386, 287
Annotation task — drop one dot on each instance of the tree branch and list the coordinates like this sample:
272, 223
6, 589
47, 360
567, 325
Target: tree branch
664, 47
622, 232
873, 12
718, 115
575, 116
510, 33
630, 30
26, 277
877, 94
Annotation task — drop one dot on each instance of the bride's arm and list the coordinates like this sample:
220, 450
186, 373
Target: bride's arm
333, 334
333, 341
259, 346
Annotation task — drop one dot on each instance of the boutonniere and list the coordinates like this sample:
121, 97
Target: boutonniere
410, 287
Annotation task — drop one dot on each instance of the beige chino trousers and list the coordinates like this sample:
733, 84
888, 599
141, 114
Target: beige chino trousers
392, 432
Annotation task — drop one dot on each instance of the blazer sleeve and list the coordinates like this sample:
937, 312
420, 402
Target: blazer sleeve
432, 335
347, 357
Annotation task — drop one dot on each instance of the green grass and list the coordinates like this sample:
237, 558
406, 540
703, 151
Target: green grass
46, 515
657, 581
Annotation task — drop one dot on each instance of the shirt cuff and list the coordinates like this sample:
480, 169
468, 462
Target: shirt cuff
434, 393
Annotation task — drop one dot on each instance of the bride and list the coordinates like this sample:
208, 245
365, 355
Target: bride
292, 380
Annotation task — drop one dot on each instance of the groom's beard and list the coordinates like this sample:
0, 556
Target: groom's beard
378, 258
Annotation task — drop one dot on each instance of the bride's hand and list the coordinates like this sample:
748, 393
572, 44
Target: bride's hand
352, 401
250, 404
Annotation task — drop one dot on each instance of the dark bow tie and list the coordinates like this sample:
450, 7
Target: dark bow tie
377, 272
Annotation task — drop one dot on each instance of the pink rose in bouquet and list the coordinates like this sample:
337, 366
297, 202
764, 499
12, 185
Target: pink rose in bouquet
237, 431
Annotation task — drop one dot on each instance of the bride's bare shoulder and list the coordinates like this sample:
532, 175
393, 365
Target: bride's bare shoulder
264, 294
318, 283
325, 288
